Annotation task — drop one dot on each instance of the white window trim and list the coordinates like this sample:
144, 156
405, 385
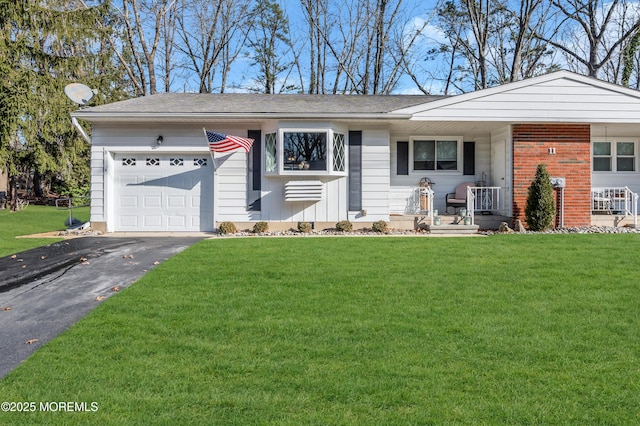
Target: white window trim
614, 155
328, 171
459, 165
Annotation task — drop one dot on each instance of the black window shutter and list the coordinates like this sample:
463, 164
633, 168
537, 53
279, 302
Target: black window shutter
256, 156
469, 159
355, 170
402, 162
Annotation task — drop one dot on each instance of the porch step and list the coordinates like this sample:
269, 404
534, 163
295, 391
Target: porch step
422, 221
451, 228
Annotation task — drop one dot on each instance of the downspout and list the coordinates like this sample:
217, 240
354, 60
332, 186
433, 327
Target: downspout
80, 129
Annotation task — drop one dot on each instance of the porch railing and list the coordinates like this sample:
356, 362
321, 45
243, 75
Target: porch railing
620, 200
484, 199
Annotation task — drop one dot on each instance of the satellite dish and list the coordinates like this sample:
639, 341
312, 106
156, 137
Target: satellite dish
79, 93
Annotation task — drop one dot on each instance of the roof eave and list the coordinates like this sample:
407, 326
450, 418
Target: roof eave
90, 116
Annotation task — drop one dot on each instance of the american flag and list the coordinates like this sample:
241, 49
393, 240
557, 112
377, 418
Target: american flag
225, 143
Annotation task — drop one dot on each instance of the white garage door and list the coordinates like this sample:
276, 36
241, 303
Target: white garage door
163, 192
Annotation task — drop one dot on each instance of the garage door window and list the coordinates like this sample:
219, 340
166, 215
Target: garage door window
128, 162
202, 162
176, 162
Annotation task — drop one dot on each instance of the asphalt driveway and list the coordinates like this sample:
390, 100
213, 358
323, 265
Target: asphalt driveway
46, 290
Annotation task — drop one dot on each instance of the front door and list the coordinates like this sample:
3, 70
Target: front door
499, 173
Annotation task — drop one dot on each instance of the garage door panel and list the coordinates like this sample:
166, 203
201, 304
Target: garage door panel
152, 221
176, 222
172, 192
152, 201
130, 201
128, 221
176, 201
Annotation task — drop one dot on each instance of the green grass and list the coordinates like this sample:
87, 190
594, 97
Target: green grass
518, 329
33, 220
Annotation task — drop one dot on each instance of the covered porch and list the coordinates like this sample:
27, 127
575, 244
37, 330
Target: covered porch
504, 133
485, 208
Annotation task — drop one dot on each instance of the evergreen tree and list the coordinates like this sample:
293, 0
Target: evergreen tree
269, 42
45, 45
540, 211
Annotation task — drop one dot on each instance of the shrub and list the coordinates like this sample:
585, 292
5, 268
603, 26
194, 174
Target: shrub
304, 227
227, 228
380, 226
540, 211
344, 226
260, 227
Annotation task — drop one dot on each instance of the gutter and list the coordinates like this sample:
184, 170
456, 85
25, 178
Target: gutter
195, 116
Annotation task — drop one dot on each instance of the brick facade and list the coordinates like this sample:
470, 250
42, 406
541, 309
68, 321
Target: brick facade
572, 160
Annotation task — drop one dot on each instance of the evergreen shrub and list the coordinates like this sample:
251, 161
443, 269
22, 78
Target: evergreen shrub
227, 228
344, 226
540, 211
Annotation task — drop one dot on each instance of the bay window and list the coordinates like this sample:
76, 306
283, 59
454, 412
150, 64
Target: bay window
304, 150
311, 152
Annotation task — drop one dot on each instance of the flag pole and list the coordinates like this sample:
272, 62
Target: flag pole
211, 152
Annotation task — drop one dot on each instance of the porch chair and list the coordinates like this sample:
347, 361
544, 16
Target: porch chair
458, 199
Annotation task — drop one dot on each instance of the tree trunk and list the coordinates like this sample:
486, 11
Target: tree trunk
13, 193
37, 184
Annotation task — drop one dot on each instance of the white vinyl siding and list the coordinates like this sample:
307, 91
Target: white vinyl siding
375, 174
552, 98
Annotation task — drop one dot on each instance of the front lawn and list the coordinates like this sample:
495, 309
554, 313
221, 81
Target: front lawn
33, 220
510, 329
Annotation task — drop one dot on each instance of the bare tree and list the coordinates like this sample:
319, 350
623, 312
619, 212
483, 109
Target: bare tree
584, 32
315, 13
168, 45
528, 50
143, 22
490, 42
212, 34
360, 45
479, 14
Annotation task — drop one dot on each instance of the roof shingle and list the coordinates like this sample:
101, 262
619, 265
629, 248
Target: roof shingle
243, 103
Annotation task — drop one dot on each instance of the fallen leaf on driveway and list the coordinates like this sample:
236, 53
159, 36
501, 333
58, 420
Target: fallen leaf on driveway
85, 263
116, 288
30, 341
82, 259
43, 257
99, 298
24, 266
156, 263
6, 308
14, 256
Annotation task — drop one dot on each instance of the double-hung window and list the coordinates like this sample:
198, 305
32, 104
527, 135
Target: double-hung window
614, 156
435, 154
